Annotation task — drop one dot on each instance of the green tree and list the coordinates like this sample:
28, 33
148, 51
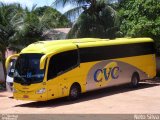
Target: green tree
140, 18
31, 30
38, 20
98, 18
52, 17
102, 22
10, 19
20, 27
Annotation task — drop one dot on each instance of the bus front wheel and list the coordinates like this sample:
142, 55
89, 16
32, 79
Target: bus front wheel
135, 80
74, 92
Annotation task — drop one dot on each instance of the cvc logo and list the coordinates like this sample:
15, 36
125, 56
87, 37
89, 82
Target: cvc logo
109, 72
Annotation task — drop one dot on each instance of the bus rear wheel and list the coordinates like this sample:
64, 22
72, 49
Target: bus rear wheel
135, 80
74, 92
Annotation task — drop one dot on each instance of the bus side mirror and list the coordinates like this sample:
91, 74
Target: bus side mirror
9, 58
42, 62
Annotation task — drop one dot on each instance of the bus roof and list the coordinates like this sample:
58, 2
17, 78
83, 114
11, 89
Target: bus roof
62, 45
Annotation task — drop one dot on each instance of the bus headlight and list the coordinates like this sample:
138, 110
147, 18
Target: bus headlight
40, 91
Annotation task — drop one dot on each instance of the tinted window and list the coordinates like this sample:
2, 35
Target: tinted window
62, 62
115, 51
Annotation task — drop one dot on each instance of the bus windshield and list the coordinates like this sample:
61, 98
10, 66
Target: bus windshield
27, 69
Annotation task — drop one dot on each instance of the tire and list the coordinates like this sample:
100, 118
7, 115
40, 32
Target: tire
74, 93
135, 80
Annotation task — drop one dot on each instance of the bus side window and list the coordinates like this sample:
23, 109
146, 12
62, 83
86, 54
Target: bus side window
62, 62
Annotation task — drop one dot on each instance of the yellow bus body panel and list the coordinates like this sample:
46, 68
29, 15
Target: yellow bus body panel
60, 85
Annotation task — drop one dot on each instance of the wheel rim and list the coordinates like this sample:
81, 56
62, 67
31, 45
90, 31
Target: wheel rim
134, 81
74, 92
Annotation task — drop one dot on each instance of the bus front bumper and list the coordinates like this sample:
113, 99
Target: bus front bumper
29, 96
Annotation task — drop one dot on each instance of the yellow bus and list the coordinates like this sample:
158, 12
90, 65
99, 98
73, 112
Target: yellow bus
52, 69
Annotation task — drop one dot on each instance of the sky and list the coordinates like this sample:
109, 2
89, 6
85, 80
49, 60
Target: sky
30, 3
40, 3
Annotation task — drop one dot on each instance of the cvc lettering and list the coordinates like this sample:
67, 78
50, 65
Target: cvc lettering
113, 72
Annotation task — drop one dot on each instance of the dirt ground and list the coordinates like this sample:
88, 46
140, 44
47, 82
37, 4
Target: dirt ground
116, 100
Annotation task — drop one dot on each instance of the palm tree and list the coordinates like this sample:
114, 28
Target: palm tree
38, 20
20, 27
98, 18
31, 29
10, 19
51, 17
80, 5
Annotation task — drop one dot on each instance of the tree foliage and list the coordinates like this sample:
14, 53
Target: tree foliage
98, 19
140, 18
10, 19
20, 27
78, 5
51, 17
37, 21
100, 22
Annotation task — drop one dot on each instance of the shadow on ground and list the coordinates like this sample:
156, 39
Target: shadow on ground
89, 95
3, 96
